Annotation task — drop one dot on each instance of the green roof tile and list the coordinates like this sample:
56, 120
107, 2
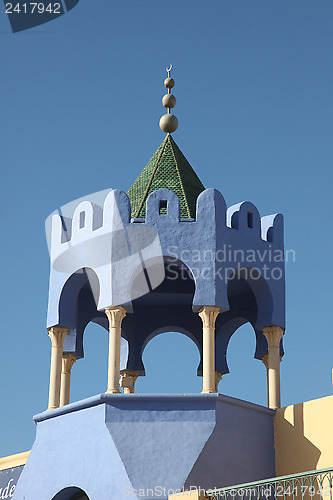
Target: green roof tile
167, 169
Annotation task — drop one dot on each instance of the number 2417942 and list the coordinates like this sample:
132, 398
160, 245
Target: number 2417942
33, 7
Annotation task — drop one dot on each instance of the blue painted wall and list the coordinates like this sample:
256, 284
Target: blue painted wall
113, 445
232, 259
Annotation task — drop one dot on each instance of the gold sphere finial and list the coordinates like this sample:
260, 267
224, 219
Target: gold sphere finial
168, 122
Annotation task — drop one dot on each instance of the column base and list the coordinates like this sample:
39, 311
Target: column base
112, 391
52, 408
208, 391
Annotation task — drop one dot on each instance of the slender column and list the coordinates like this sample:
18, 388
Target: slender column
57, 336
208, 314
265, 362
218, 378
273, 335
115, 316
68, 361
128, 379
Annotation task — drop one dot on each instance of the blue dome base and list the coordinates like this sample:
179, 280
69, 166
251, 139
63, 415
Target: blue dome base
146, 446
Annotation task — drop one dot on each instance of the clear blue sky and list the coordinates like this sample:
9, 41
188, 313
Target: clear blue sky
81, 100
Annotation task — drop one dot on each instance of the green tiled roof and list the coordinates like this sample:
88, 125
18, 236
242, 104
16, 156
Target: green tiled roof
168, 169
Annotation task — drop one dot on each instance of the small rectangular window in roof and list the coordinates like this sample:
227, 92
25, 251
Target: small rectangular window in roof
82, 219
249, 219
163, 207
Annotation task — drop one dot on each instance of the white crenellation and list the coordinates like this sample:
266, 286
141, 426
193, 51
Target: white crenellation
87, 218
90, 220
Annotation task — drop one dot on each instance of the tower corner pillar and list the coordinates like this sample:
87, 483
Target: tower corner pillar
57, 336
273, 336
68, 361
208, 315
115, 316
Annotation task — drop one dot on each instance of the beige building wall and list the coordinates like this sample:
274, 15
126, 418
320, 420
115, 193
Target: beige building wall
304, 436
14, 460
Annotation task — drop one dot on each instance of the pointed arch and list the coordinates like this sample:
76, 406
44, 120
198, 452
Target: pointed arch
78, 306
169, 352
246, 379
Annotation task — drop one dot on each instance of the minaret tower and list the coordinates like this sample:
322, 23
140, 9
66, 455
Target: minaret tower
167, 226
168, 256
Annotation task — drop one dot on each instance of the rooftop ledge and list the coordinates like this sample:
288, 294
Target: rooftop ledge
149, 398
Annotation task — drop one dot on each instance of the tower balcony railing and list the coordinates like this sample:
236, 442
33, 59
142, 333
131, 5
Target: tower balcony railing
311, 485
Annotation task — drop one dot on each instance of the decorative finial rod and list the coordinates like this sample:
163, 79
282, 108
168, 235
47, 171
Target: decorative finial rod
168, 122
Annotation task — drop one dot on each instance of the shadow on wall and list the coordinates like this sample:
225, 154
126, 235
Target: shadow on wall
296, 453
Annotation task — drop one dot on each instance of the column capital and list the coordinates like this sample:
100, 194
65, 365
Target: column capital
218, 378
273, 335
208, 314
57, 335
115, 315
68, 361
127, 381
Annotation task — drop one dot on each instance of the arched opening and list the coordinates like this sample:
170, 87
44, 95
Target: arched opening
171, 360
247, 378
71, 493
78, 307
164, 309
79, 297
88, 331
89, 374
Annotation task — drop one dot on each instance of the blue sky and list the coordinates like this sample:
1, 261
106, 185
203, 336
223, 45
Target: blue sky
81, 101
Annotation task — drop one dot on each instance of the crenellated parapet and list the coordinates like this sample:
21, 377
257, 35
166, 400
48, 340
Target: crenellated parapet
217, 246
90, 220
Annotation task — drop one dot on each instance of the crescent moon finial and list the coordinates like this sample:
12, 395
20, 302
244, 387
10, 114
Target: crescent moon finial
168, 70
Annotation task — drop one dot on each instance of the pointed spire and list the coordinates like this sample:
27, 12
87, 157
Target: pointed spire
167, 169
